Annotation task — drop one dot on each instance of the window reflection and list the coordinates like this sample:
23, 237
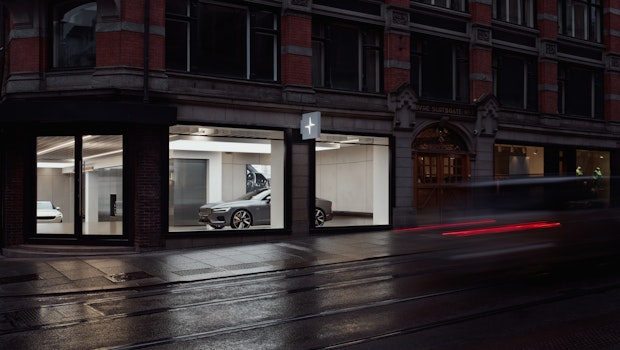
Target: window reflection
74, 35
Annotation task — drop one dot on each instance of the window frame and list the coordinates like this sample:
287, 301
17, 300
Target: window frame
459, 84
529, 95
456, 5
592, 10
56, 13
192, 21
596, 91
526, 12
323, 32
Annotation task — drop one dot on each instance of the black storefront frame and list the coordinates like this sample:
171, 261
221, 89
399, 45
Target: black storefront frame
23, 121
30, 191
289, 137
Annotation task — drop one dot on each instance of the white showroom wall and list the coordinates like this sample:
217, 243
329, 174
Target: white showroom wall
345, 177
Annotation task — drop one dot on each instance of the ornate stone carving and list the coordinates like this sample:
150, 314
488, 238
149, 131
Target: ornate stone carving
483, 35
403, 102
613, 63
549, 49
486, 120
400, 18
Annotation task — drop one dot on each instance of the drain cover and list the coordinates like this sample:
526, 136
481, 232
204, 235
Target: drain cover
130, 276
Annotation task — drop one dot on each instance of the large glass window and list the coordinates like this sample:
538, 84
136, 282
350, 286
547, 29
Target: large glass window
74, 34
519, 12
515, 81
518, 161
352, 175
84, 202
225, 179
595, 169
580, 19
222, 40
440, 68
346, 57
580, 91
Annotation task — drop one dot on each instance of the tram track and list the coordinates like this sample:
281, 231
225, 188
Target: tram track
222, 286
560, 297
318, 279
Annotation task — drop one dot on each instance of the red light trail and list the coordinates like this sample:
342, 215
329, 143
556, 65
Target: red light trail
505, 228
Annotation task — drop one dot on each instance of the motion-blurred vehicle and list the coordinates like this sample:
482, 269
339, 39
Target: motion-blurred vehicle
47, 212
254, 208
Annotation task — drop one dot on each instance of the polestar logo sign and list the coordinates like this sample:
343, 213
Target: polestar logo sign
310, 125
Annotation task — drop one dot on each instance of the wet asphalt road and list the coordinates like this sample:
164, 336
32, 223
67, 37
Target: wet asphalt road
454, 298
518, 288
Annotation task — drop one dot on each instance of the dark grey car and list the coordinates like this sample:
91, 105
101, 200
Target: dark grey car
253, 208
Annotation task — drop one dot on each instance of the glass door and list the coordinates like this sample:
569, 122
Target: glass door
56, 185
84, 202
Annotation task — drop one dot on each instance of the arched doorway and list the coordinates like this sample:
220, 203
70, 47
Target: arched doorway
441, 173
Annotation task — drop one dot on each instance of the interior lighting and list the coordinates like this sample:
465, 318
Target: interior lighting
57, 165
505, 228
219, 146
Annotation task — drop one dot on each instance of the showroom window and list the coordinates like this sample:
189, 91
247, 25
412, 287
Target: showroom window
580, 91
346, 57
458, 5
222, 40
353, 176
440, 68
580, 19
74, 34
519, 12
518, 160
225, 179
515, 81
590, 162
87, 202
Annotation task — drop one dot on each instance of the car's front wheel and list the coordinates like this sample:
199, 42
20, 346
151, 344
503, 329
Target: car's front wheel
241, 219
319, 217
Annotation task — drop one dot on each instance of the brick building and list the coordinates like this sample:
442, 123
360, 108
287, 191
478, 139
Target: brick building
130, 115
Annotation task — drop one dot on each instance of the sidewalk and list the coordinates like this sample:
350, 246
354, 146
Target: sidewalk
38, 276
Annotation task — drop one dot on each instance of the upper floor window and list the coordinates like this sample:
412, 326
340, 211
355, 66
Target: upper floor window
346, 57
440, 68
458, 5
580, 19
519, 12
580, 91
515, 81
229, 41
74, 34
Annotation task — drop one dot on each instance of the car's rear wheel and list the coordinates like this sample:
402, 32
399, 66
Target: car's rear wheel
241, 219
319, 217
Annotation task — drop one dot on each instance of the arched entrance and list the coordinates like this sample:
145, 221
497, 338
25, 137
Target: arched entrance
441, 171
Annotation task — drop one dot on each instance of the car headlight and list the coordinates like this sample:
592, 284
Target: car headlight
221, 210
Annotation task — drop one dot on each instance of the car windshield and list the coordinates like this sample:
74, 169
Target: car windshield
258, 194
44, 205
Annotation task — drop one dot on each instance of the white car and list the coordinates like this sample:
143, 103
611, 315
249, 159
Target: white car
47, 212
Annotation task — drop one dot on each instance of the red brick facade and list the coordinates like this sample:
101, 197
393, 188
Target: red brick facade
297, 46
